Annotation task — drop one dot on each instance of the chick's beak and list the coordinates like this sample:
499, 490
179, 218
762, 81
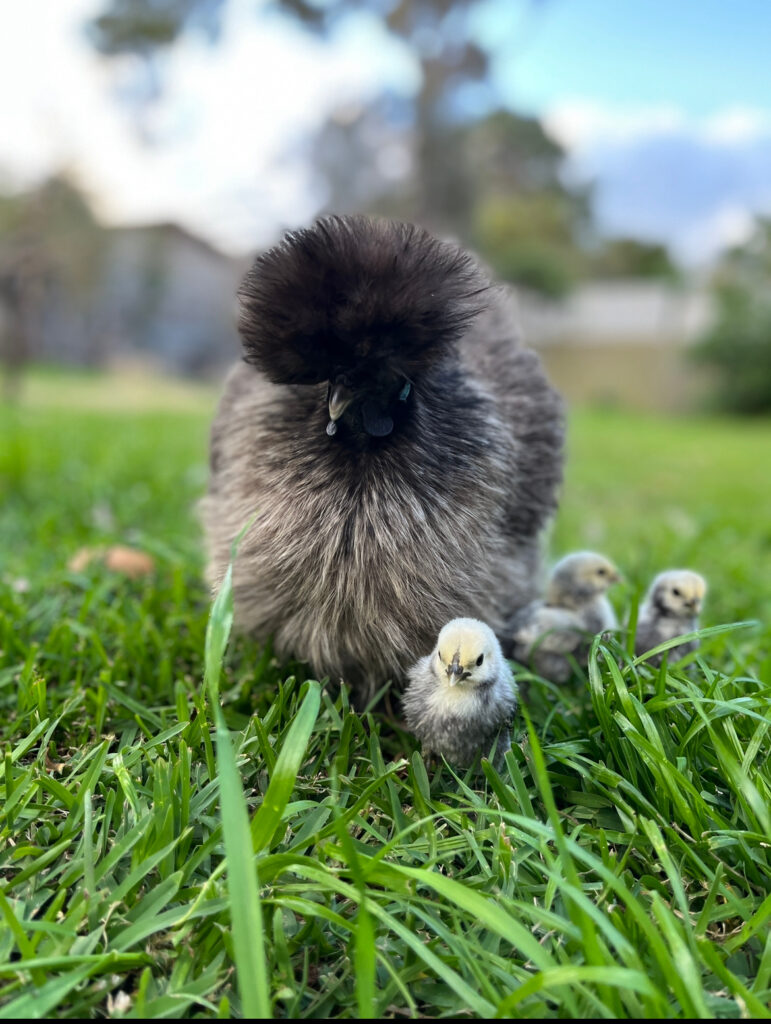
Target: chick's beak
340, 397
454, 671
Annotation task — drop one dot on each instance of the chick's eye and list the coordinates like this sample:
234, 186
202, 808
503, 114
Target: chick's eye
602, 572
677, 592
480, 659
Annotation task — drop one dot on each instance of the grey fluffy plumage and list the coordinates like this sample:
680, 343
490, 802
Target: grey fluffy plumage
550, 634
428, 500
671, 608
460, 700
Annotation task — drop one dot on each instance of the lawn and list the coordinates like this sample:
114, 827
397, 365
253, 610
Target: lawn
619, 866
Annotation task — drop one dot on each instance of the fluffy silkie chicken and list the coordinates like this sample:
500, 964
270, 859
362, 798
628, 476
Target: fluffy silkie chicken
460, 699
400, 448
551, 634
671, 608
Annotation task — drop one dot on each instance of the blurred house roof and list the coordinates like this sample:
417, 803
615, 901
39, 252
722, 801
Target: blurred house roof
175, 232
171, 294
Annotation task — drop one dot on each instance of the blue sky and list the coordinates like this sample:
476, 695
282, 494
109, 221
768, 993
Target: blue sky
701, 55
665, 105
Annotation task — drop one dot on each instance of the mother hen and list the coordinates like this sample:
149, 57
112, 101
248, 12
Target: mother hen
400, 448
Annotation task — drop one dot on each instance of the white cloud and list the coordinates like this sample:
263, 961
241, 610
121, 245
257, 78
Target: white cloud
229, 115
696, 183
728, 225
582, 123
736, 125
579, 123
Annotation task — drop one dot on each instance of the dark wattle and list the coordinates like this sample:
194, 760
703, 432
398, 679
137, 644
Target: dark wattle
377, 422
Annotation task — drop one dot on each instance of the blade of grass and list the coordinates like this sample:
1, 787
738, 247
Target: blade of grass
38, 1004
697, 634
284, 775
243, 890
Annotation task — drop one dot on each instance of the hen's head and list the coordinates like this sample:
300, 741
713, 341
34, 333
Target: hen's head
363, 305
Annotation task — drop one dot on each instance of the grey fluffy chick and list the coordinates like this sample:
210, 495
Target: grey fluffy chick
575, 608
401, 448
671, 608
461, 698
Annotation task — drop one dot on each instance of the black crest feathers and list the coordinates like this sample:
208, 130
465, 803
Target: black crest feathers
353, 291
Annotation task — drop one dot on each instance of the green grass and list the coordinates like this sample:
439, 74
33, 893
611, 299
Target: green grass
168, 850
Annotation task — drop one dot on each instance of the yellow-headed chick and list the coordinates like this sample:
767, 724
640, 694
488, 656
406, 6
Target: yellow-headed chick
575, 608
671, 608
461, 698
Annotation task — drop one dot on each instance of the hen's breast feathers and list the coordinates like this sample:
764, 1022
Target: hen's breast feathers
424, 506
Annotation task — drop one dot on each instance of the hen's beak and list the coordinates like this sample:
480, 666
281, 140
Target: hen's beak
340, 398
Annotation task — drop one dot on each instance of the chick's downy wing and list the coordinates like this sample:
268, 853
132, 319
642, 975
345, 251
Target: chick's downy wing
553, 630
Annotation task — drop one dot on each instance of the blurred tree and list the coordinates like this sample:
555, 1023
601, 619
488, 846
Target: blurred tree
363, 155
513, 153
528, 239
142, 26
738, 346
439, 34
146, 28
525, 221
631, 257
446, 157
510, 203
50, 244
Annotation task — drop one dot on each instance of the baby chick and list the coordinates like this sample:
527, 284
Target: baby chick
671, 608
462, 697
545, 632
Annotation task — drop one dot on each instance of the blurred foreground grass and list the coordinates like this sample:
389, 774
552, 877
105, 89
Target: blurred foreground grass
618, 867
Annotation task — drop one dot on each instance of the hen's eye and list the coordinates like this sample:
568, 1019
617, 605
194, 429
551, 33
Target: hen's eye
677, 592
480, 659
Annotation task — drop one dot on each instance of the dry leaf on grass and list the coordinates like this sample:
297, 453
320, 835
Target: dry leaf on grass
55, 766
119, 558
129, 561
83, 557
